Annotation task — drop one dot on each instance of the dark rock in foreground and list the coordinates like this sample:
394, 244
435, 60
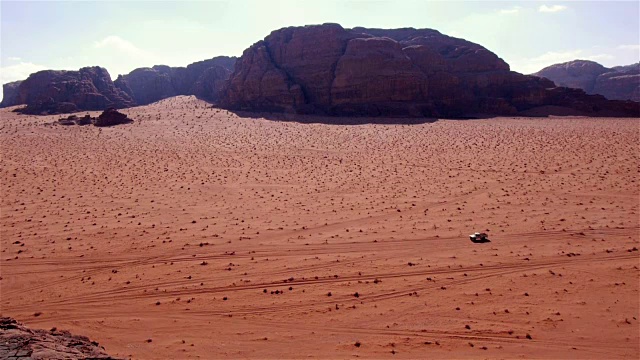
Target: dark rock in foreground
328, 70
204, 79
56, 92
10, 94
617, 83
109, 117
19, 342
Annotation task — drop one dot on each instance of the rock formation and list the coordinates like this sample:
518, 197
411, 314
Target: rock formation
19, 342
618, 83
111, 117
622, 83
203, 79
326, 69
55, 92
10, 94
147, 85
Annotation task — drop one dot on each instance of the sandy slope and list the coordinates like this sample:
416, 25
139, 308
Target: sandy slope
216, 236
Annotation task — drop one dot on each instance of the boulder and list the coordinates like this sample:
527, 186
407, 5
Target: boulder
20, 342
111, 117
329, 70
85, 120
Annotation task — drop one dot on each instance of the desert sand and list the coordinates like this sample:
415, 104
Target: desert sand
197, 233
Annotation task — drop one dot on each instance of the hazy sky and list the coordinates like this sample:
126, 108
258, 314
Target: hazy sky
123, 35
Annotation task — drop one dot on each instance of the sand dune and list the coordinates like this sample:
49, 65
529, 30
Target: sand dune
195, 233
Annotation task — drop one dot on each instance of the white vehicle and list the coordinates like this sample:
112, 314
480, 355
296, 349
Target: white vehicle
479, 237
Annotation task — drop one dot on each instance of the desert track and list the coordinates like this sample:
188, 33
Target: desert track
185, 224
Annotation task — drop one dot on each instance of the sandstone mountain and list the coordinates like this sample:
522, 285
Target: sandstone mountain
10, 94
617, 83
203, 79
327, 69
53, 91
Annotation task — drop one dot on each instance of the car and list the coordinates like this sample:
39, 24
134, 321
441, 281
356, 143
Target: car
479, 238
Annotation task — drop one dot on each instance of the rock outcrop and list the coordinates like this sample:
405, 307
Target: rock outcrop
326, 69
19, 342
56, 92
618, 83
10, 94
109, 117
204, 79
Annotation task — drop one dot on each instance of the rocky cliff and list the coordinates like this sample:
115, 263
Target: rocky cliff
10, 94
203, 79
618, 83
19, 342
53, 92
622, 82
326, 69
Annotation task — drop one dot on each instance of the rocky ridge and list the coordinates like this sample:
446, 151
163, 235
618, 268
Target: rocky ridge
204, 79
329, 70
55, 92
617, 83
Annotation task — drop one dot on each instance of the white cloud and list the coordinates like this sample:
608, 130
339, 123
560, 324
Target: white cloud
117, 43
19, 71
551, 9
118, 55
16, 72
629, 47
13, 58
600, 57
554, 57
513, 10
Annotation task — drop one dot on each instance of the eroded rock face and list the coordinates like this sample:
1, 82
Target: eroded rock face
622, 83
147, 85
10, 94
326, 69
203, 79
578, 74
618, 83
19, 342
55, 92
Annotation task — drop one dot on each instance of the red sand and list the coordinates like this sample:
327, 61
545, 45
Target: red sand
172, 229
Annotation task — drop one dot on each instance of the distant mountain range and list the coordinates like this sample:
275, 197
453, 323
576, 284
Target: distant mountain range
91, 88
203, 79
617, 83
329, 70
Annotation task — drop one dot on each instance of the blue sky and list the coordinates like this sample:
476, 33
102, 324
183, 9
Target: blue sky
123, 35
